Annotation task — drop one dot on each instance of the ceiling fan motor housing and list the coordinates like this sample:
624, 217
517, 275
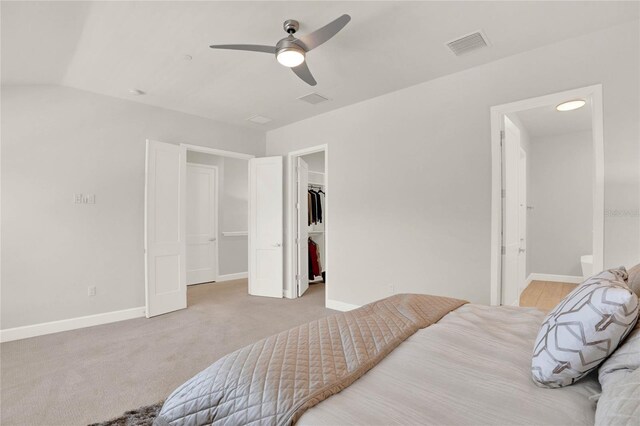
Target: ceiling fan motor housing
291, 26
289, 43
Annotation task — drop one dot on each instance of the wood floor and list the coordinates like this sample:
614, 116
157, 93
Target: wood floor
544, 295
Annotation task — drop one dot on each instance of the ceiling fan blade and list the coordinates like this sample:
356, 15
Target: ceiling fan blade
319, 36
248, 47
303, 72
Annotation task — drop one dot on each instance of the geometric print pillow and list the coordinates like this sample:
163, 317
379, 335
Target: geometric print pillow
584, 329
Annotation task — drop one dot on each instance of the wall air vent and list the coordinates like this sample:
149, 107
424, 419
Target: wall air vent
468, 43
313, 98
258, 119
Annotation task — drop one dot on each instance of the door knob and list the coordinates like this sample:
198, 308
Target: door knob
521, 250
212, 239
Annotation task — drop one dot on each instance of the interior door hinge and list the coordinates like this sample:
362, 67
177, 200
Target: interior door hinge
503, 193
297, 206
501, 137
298, 277
503, 250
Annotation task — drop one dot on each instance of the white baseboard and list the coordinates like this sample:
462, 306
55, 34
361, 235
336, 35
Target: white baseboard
230, 277
572, 279
34, 330
340, 306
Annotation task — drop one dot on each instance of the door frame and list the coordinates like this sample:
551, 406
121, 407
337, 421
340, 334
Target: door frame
592, 93
216, 201
289, 290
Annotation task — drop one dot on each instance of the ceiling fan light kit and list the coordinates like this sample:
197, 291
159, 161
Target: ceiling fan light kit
289, 54
291, 51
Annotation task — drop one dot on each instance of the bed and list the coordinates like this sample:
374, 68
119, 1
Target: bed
420, 359
407, 359
471, 367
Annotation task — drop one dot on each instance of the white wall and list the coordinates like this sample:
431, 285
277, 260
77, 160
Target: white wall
561, 222
315, 161
410, 171
59, 141
233, 198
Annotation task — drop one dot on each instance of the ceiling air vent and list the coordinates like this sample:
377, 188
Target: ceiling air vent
468, 43
313, 98
258, 119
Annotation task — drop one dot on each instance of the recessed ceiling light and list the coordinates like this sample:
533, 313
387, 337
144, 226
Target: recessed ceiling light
259, 119
571, 105
136, 92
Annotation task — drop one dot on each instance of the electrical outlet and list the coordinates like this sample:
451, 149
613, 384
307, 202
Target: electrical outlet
91, 290
91, 198
78, 198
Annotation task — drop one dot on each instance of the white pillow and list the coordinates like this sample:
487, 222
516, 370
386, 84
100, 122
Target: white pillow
584, 329
619, 404
623, 361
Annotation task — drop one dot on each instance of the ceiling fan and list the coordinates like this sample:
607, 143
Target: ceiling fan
291, 51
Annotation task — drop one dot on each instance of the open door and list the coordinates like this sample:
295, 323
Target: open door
511, 249
164, 229
302, 208
265, 227
522, 220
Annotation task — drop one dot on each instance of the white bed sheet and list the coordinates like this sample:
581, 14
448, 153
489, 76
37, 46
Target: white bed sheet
470, 368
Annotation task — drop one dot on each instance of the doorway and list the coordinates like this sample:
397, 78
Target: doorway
308, 217
547, 196
196, 214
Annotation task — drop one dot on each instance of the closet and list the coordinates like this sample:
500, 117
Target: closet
317, 210
311, 221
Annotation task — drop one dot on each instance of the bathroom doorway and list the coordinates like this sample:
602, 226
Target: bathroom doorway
550, 196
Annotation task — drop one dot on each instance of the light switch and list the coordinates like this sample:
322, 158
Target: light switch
91, 198
77, 198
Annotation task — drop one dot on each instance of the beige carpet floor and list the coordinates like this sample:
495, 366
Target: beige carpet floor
93, 374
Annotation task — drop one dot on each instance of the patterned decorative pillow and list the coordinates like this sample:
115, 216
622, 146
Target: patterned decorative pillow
584, 329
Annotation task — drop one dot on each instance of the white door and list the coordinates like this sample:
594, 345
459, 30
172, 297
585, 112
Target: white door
164, 229
522, 219
302, 239
265, 227
202, 224
511, 233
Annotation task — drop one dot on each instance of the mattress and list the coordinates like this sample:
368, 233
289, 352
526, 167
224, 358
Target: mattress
470, 368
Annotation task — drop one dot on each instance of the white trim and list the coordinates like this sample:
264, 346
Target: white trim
572, 279
593, 93
336, 305
235, 233
214, 151
230, 277
41, 329
289, 289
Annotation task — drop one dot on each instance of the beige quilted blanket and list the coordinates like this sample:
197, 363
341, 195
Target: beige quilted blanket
273, 381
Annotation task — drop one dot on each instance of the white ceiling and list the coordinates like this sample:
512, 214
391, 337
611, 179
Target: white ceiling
111, 47
547, 121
